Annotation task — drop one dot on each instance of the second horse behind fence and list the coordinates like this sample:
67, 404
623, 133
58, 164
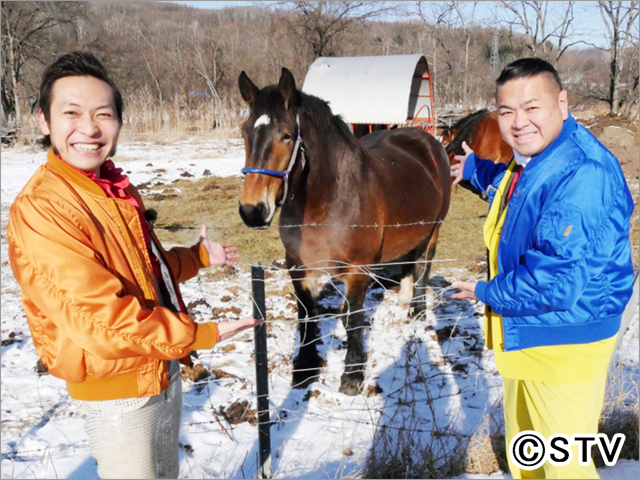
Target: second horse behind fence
345, 204
481, 132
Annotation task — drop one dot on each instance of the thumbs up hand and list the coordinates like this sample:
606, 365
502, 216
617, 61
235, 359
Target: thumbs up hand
457, 169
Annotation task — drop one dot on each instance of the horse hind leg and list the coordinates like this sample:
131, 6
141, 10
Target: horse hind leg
307, 363
406, 279
421, 272
353, 320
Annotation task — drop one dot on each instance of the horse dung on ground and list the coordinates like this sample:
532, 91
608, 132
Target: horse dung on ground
346, 204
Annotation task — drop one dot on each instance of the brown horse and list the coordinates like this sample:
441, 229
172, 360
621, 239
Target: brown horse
345, 204
481, 132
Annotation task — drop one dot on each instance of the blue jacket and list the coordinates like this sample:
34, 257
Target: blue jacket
564, 258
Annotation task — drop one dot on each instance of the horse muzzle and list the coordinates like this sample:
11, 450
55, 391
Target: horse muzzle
256, 216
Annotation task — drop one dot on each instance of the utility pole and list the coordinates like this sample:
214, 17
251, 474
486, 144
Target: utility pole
495, 60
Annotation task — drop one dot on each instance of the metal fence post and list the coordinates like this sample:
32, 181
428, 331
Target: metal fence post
262, 371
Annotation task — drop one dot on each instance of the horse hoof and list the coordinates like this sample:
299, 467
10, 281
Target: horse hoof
350, 386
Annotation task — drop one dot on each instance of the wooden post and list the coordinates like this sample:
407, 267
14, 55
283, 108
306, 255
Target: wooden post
262, 371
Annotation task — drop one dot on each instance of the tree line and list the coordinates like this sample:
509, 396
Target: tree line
178, 64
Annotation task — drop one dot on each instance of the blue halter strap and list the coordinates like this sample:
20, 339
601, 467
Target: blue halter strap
266, 171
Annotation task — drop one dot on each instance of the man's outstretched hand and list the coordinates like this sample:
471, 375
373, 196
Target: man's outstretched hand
467, 290
219, 253
230, 328
456, 170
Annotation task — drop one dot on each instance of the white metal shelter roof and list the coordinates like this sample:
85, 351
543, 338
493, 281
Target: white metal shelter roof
372, 90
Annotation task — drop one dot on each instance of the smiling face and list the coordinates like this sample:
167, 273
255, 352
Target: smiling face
531, 112
83, 124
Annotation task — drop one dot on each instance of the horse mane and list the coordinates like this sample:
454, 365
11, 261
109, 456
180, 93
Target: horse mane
315, 113
325, 123
466, 127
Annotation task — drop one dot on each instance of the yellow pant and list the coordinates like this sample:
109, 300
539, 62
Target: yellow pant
549, 408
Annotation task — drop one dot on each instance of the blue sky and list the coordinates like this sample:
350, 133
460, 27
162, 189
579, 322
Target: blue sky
587, 16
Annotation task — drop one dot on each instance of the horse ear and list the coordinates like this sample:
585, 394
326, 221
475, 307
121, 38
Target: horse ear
248, 90
287, 88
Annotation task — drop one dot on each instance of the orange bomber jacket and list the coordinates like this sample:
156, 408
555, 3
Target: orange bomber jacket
88, 288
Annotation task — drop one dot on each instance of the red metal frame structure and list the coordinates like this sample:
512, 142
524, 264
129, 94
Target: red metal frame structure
428, 124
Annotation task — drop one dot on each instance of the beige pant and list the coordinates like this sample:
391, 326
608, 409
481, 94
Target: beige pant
136, 437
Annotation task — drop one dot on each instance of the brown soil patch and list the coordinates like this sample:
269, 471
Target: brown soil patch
621, 138
373, 390
196, 373
310, 394
239, 412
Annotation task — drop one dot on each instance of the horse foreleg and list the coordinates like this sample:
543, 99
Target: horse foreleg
422, 270
353, 321
406, 290
306, 365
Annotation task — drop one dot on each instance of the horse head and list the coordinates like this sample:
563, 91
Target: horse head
445, 136
272, 141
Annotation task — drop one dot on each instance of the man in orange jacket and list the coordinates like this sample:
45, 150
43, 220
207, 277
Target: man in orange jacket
100, 293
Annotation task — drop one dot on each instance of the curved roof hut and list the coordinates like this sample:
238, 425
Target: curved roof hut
375, 92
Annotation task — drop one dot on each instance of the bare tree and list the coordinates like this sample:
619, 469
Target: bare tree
621, 20
320, 23
150, 57
25, 26
206, 51
547, 31
436, 16
161, 52
629, 107
462, 15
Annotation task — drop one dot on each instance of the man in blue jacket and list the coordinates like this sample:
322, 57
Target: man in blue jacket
559, 262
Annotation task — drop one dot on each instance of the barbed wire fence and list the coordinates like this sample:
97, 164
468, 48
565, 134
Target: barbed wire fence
448, 362
449, 369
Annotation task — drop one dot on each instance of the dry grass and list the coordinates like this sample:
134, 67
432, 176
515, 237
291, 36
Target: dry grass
145, 120
213, 201
620, 412
481, 458
402, 453
461, 234
418, 442
178, 118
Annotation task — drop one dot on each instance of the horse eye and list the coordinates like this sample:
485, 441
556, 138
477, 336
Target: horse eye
286, 137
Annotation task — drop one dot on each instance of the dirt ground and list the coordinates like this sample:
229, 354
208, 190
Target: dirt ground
620, 137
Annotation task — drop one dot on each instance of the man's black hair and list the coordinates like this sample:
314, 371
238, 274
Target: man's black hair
75, 64
528, 67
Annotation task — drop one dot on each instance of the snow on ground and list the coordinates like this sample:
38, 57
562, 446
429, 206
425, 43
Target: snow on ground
434, 372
